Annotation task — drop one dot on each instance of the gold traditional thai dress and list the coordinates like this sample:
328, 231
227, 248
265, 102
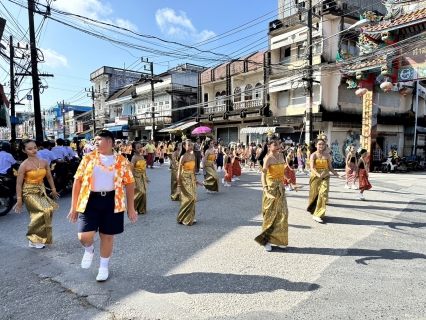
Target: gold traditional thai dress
275, 211
318, 192
174, 195
188, 194
140, 186
39, 206
212, 179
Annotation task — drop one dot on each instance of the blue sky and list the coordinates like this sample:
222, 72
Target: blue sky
72, 55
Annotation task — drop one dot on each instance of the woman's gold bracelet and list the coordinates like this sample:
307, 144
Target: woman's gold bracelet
19, 198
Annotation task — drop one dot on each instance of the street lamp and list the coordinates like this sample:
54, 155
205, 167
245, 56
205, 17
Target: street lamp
63, 111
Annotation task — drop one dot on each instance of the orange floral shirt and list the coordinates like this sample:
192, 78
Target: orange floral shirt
122, 176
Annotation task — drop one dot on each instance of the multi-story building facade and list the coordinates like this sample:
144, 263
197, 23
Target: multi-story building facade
130, 108
336, 111
106, 82
232, 95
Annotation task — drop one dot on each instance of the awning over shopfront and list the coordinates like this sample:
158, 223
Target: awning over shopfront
83, 134
264, 130
118, 128
178, 126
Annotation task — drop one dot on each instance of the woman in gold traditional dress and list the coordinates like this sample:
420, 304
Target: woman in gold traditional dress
187, 186
319, 181
211, 181
174, 165
138, 165
33, 194
274, 203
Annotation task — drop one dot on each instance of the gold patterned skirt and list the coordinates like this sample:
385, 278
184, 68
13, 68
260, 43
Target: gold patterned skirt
212, 179
40, 207
140, 192
174, 183
275, 216
188, 198
318, 193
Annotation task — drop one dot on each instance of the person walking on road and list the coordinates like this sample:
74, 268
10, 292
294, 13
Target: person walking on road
351, 169
274, 203
319, 181
197, 154
138, 165
33, 194
98, 201
362, 174
187, 185
211, 182
174, 164
150, 150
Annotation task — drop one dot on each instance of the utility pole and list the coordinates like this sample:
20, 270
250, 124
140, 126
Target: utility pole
34, 72
63, 111
92, 95
309, 77
309, 93
153, 81
12, 88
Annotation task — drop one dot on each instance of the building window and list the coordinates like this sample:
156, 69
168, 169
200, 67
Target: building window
206, 97
350, 47
285, 55
301, 49
248, 93
258, 89
217, 98
237, 94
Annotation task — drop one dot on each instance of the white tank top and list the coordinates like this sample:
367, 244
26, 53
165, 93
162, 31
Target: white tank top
103, 180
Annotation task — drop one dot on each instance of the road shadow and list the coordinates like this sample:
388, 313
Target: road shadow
206, 282
393, 224
364, 254
378, 208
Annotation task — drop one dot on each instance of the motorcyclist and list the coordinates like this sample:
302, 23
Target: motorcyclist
46, 153
394, 154
60, 151
6, 159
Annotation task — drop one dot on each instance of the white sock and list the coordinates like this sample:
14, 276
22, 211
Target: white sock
89, 249
104, 263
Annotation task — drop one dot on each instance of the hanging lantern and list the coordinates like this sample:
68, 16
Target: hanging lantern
386, 86
361, 91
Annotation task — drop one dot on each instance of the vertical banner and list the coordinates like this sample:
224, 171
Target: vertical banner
367, 119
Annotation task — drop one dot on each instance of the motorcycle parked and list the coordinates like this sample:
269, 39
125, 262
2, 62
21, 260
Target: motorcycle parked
388, 166
6, 198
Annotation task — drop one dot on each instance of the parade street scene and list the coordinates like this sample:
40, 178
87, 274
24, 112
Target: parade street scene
213, 159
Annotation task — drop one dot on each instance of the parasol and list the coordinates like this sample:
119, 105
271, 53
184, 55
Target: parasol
201, 130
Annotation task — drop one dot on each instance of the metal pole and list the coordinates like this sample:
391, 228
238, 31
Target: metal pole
93, 111
63, 115
415, 117
12, 88
309, 96
34, 72
151, 66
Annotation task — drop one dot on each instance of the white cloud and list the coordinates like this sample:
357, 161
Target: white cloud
180, 26
54, 59
93, 9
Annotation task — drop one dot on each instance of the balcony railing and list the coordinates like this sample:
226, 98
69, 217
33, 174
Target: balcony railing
248, 104
214, 109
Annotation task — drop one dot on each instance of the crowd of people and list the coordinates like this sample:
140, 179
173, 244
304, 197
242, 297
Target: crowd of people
112, 178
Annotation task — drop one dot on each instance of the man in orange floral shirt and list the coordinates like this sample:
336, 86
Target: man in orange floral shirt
98, 200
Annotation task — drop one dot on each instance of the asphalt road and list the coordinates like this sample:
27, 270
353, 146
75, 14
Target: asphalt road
368, 260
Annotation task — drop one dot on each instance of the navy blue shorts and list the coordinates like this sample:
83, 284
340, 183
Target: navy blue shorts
99, 216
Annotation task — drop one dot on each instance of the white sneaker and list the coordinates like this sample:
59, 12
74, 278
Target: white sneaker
208, 191
361, 196
267, 247
317, 219
102, 274
86, 262
236, 178
232, 180
36, 245
354, 187
226, 185
223, 181
347, 186
282, 247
